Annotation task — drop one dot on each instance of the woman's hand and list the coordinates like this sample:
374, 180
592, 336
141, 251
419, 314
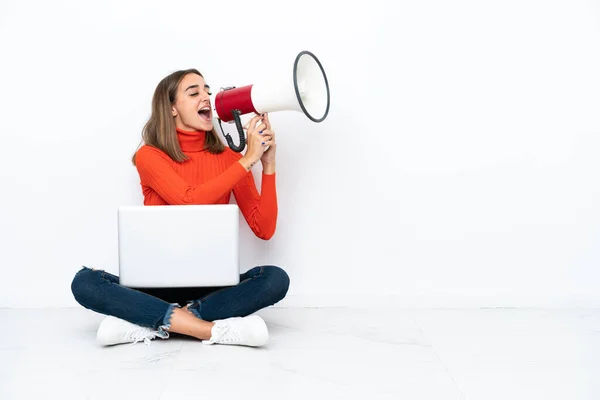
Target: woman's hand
268, 157
255, 140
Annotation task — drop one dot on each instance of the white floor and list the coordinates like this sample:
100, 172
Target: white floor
314, 354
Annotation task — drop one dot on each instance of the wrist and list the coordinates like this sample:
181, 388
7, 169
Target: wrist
268, 168
247, 162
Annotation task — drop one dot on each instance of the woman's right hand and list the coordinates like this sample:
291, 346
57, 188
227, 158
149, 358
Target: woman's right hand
257, 141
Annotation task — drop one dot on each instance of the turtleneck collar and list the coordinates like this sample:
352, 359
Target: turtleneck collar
191, 141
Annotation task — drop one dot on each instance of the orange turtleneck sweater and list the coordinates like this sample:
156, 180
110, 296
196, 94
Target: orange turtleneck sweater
207, 178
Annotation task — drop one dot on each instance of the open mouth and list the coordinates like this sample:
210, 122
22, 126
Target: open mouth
204, 113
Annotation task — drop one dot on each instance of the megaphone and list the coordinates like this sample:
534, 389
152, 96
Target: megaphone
305, 90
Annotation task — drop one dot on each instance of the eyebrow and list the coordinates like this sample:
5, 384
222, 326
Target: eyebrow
196, 86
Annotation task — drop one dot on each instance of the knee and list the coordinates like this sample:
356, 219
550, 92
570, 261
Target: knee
84, 285
278, 282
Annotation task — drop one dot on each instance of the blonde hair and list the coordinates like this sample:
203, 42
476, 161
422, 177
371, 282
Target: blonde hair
160, 131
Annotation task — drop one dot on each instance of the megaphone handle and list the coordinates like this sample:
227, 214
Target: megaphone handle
240, 129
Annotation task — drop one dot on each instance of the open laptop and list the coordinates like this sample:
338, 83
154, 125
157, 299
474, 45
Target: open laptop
178, 246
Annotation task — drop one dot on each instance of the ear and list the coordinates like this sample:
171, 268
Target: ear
174, 111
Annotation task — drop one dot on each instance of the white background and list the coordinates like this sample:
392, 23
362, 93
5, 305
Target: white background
458, 165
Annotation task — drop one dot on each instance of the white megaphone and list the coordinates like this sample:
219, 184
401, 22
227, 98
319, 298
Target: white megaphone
305, 90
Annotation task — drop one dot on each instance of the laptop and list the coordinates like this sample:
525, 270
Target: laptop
178, 246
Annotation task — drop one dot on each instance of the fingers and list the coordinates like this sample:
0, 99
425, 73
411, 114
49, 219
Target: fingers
254, 129
266, 120
261, 127
266, 132
268, 137
251, 125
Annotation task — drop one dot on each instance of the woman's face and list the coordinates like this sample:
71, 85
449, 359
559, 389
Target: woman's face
192, 109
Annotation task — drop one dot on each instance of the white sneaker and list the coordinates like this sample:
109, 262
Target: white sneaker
116, 331
246, 331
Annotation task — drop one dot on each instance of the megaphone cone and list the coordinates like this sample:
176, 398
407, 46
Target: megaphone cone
305, 90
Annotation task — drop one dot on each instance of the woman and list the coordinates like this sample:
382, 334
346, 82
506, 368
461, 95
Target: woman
183, 161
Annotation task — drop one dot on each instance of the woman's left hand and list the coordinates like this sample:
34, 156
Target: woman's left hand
268, 156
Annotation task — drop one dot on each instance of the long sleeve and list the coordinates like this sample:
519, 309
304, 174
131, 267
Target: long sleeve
155, 170
259, 210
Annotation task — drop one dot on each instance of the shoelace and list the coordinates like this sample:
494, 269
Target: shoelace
229, 335
140, 334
